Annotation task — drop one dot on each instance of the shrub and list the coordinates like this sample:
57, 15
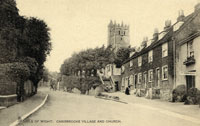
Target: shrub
193, 96
179, 94
19, 71
30, 62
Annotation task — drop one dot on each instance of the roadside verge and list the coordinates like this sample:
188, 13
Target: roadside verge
15, 123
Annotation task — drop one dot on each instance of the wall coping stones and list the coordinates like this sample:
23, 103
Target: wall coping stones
8, 96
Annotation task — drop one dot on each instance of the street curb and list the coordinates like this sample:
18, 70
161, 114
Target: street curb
111, 100
170, 113
15, 123
2, 107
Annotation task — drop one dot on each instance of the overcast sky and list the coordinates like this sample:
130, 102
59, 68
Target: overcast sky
81, 24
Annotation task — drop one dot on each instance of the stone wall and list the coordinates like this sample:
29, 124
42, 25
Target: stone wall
8, 100
95, 91
8, 87
166, 95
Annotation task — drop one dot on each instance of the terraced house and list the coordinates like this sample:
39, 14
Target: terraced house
167, 60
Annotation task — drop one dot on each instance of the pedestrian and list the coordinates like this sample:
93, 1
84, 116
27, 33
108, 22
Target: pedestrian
127, 91
51, 85
18, 94
54, 85
58, 85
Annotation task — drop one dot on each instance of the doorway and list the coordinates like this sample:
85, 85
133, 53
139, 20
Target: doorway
190, 81
116, 86
135, 81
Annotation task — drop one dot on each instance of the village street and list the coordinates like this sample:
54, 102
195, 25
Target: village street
68, 109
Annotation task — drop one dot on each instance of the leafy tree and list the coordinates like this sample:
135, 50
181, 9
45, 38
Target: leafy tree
24, 42
86, 63
45, 75
121, 55
8, 13
35, 43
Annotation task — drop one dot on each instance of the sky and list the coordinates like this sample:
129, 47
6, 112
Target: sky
80, 24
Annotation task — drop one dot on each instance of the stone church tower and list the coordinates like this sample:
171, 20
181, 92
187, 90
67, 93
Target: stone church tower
118, 35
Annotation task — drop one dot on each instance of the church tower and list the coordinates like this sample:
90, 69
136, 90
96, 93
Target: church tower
118, 35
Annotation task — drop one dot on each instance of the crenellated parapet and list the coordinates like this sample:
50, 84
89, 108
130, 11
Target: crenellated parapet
118, 35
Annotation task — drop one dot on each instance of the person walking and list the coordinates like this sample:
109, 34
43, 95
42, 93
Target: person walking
51, 85
58, 85
127, 91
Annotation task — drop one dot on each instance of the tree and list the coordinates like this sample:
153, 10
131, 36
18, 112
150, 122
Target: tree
35, 43
86, 63
121, 55
24, 43
8, 13
45, 75
88, 60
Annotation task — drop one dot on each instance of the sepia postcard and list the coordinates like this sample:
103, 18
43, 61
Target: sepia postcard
99, 63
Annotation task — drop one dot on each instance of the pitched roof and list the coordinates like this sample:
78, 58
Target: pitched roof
168, 36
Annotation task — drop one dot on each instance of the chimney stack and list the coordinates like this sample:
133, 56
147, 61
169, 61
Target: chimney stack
144, 42
167, 25
197, 7
155, 34
145, 39
122, 24
180, 15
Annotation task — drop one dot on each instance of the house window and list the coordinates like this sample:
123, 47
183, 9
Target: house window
123, 69
165, 50
150, 75
140, 61
108, 67
126, 82
150, 56
124, 33
135, 80
165, 72
131, 80
121, 32
123, 81
145, 79
131, 63
190, 49
139, 78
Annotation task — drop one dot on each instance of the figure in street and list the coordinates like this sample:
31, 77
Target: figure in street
127, 91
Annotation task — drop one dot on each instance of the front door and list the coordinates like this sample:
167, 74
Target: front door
135, 81
190, 81
145, 80
116, 86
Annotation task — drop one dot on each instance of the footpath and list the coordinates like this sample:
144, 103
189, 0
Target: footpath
178, 108
12, 113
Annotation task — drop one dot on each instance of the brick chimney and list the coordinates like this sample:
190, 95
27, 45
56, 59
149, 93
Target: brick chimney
180, 15
155, 35
167, 25
197, 7
144, 42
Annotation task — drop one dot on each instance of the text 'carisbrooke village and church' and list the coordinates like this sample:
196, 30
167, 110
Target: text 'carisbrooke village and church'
160, 64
